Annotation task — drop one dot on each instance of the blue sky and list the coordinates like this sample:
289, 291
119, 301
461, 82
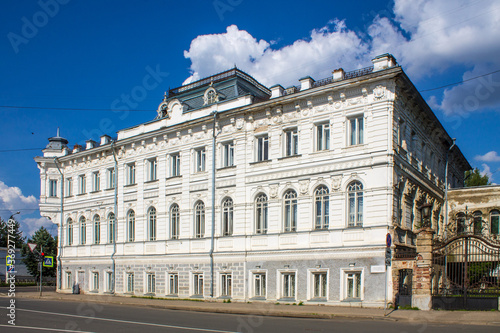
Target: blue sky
62, 55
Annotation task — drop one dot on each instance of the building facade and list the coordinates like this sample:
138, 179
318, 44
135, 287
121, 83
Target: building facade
240, 191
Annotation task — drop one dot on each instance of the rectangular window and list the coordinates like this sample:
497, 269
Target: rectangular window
130, 173
262, 148
69, 280
291, 142
227, 154
356, 131
95, 281
52, 188
82, 184
173, 284
288, 285
109, 281
151, 283
96, 181
319, 284
353, 285
130, 282
175, 165
69, 187
151, 169
200, 159
198, 284
322, 137
225, 280
259, 284
110, 178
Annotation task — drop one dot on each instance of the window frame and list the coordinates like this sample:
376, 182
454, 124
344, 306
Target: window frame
227, 216
96, 221
227, 154
287, 284
96, 181
291, 142
321, 207
83, 230
345, 284
174, 221
356, 130
95, 281
175, 164
226, 284
323, 136
173, 283
110, 174
200, 159
69, 231
290, 211
130, 169
261, 211
111, 227
259, 278
152, 169
130, 282
131, 225
197, 279
82, 184
262, 148
323, 284
355, 194
495, 214
152, 223
150, 283
69, 187
199, 219
53, 188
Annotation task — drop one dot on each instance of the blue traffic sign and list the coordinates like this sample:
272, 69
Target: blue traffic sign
388, 240
48, 261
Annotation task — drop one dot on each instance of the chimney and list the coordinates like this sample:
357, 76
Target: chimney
90, 144
306, 83
105, 139
383, 61
338, 74
277, 91
77, 148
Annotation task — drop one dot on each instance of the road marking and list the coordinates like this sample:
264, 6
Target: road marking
42, 328
129, 322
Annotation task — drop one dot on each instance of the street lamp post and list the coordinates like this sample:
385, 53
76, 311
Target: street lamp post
425, 212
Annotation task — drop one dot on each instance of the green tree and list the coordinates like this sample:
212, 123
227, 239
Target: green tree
44, 240
11, 232
474, 178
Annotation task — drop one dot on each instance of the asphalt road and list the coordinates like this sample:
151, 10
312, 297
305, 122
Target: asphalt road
33, 315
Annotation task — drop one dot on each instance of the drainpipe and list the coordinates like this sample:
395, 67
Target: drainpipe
115, 210
214, 136
446, 189
59, 245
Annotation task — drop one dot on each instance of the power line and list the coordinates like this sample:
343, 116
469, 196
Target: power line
23, 149
67, 109
455, 83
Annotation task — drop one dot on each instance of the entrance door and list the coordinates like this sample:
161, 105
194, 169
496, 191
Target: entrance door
405, 287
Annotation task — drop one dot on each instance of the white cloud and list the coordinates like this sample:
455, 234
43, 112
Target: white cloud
30, 225
12, 199
426, 36
327, 48
491, 156
486, 171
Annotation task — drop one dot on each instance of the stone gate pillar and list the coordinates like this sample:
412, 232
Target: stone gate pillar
422, 280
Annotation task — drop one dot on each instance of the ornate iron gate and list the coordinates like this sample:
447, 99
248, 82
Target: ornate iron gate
405, 287
466, 274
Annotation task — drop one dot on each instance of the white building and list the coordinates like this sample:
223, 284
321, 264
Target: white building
308, 182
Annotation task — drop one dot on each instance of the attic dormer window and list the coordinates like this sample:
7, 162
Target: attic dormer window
211, 96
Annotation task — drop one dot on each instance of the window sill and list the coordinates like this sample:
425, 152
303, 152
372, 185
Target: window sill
151, 181
318, 299
352, 300
258, 298
109, 189
80, 194
320, 229
260, 162
150, 294
93, 192
174, 177
287, 157
355, 227
196, 296
287, 299
130, 185
360, 146
227, 167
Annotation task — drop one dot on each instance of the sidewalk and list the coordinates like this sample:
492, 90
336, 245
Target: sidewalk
491, 318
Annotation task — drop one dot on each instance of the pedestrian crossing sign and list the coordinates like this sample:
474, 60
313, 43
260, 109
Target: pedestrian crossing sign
48, 261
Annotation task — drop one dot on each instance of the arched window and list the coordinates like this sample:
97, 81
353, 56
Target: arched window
199, 219
460, 223
478, 222
261, 214
227, 217
152, 224
494, 222
83, 230
290, 211
131, 225
70, 231
174, 221
321, 207
111, 228
97, 229
355, 202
